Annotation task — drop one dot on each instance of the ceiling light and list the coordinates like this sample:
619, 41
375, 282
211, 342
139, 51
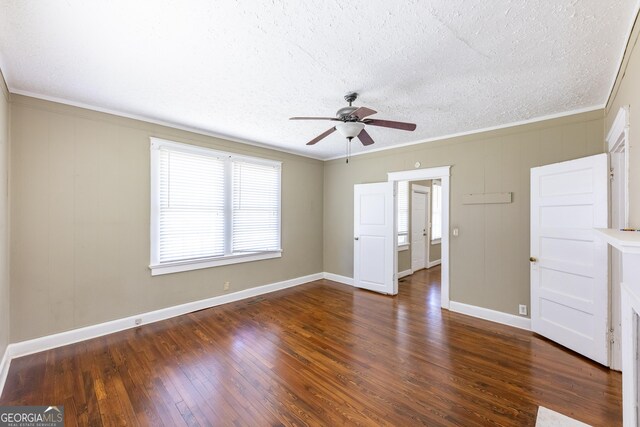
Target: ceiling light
350, 129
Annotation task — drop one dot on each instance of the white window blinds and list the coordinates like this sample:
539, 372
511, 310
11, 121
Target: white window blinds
191, 216
255, 207
210, 207
436, 212
403, 212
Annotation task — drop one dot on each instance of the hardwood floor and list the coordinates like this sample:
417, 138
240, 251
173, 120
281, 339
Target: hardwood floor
319, 354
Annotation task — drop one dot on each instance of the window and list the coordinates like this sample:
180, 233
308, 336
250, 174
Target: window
403, 213
211, 208
436, 211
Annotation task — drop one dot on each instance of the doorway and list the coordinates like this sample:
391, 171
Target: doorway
441, 174
420, 226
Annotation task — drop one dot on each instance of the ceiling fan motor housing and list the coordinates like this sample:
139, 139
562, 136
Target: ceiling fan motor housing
345, 114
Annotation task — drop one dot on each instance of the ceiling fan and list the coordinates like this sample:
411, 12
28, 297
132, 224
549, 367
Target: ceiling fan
352, 121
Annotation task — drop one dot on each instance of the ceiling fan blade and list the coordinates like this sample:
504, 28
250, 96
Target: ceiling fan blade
363, 112
390, 124
314, 118
322, 135
365, 138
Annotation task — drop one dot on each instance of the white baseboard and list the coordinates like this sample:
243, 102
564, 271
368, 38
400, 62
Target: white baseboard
4, 369
433, 263
48, 342
492, 315
337, 278
405, 273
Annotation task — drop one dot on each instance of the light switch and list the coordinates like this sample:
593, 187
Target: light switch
455, 232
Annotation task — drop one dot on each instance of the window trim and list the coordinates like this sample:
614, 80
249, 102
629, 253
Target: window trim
158, 268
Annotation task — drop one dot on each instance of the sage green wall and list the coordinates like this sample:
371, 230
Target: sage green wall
627, 92
489, 260
80, 220
4, 225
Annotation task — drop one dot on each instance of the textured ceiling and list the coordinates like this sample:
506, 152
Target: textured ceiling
240, 69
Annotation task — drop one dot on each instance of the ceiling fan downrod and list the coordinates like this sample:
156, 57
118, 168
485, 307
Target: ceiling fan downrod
350, 97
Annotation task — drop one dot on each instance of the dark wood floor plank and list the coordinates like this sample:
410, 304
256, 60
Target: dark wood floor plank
319, 354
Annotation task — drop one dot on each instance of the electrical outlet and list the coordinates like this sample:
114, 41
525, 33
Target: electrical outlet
226, 286
138, 321
522, 309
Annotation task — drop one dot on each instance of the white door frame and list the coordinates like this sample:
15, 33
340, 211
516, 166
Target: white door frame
416, 188
617, 143
442, 173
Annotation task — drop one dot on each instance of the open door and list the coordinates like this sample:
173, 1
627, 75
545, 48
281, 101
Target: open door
374, 247
569, 265
420, 218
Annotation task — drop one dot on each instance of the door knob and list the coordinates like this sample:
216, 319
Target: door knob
533, 259
356, 238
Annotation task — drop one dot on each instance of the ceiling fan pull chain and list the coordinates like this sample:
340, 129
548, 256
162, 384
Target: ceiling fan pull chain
347, 153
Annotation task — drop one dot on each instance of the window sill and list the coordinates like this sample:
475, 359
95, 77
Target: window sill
436, 241
178, 266
403, 247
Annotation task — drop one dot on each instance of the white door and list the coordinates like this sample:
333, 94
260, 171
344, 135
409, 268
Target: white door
569, 274
419, 228
374, 246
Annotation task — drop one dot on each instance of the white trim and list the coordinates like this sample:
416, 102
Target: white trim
630, 307
338, 278
419, 174
403, 247
158, 143
178, 266
618, 127
4, 368
405, 273
161, 123
48, 342
477, 131
491, 315
618, 143
442, 173
434, 263
436, 241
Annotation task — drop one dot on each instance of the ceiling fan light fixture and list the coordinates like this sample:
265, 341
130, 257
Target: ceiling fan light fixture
350, 129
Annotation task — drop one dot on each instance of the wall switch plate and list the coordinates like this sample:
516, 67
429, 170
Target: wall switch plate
522, 309
456, 232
